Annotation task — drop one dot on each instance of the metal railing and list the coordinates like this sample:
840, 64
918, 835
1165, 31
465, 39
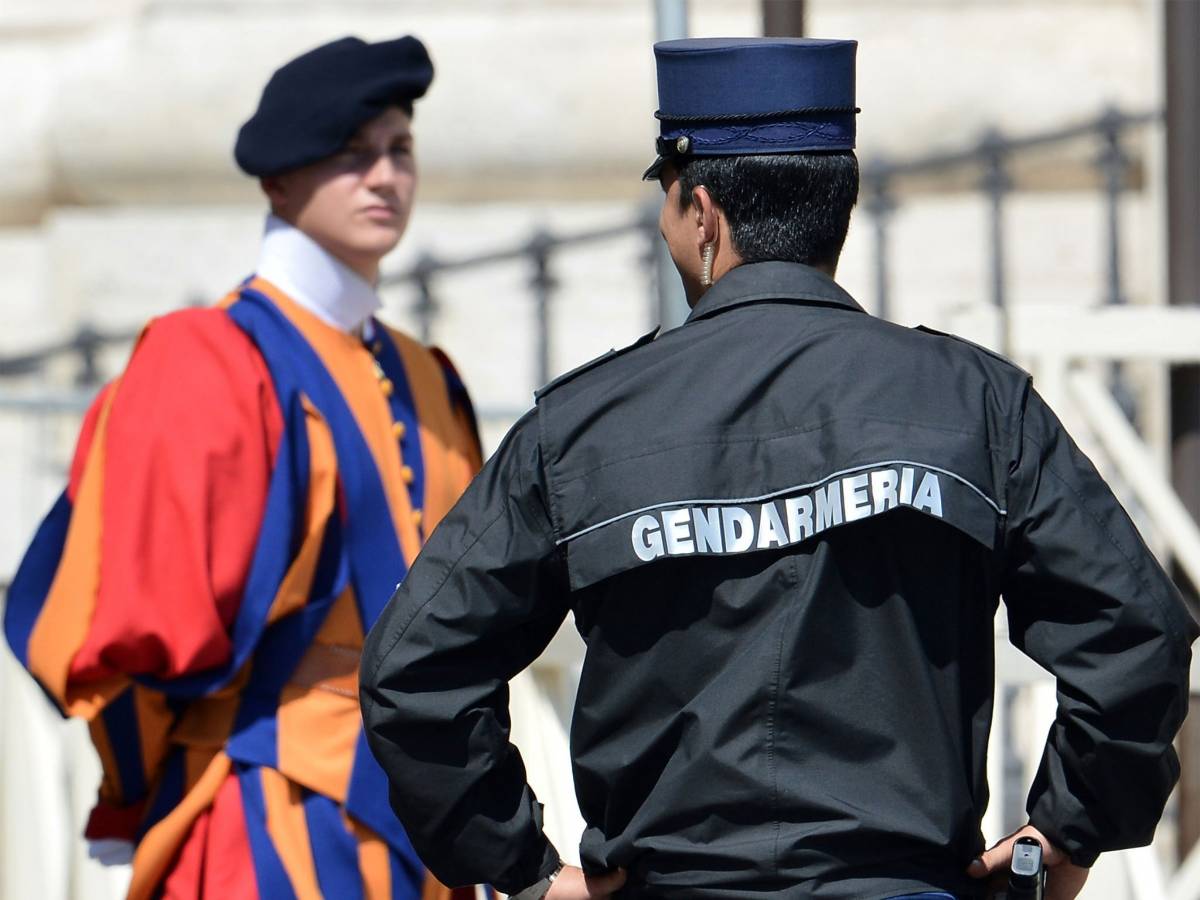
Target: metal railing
538, 250
991, 161
987, 165
85, 345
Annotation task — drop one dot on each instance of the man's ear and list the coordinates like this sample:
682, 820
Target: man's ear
708, 223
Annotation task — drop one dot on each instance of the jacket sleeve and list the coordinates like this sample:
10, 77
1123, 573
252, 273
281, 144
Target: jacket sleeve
480, 603
187, 457
143, 569
1088, 601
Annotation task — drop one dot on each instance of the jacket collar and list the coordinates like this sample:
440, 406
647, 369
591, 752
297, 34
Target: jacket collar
314, 278
755, 282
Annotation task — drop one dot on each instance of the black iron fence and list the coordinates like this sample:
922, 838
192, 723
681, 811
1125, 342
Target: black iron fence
991, 161
985, 167
84, 346
539, 251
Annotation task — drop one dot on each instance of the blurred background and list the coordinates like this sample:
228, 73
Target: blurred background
1031, 179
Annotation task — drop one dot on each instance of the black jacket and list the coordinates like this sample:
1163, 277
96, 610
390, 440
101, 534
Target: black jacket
783, 530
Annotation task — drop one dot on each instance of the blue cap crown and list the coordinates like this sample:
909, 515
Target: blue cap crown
743, 96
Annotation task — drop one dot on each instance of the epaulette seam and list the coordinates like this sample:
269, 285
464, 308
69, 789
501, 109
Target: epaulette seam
591, 364
987, 351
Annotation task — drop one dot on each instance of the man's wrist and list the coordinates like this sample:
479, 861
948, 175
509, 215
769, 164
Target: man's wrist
539, 888
1076, 853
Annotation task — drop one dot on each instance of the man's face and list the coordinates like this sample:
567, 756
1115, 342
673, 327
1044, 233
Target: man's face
355, 203
682, 234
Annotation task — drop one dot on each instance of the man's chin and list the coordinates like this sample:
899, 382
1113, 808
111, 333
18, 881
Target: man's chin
378, 240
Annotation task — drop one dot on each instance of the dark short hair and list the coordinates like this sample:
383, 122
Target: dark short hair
793, 207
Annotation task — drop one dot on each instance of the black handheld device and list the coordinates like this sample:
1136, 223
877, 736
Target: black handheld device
1027, 874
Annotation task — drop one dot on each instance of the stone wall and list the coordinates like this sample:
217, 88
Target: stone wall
138, 101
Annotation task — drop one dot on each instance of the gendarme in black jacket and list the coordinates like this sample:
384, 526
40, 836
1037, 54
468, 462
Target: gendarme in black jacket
783, 529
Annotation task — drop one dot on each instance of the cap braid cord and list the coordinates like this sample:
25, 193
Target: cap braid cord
751, 117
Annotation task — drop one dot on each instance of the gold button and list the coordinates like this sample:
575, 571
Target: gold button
406, 473
377, 347
398, 429
385, 385
417, 517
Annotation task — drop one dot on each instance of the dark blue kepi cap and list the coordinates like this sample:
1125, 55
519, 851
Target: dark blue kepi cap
749, 96
314, 104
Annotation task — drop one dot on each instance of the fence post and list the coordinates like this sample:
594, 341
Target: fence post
1112, 162
542, 282
996, 183
426, 306
879, 206
87, 344
651, 260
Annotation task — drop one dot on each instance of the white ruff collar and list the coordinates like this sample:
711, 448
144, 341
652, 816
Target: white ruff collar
315, 278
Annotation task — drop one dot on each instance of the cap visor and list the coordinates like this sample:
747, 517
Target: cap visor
655, 168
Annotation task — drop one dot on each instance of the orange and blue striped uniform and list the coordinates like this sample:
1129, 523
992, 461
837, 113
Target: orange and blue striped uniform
242, 502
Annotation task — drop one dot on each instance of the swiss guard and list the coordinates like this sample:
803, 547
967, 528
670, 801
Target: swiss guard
242, 502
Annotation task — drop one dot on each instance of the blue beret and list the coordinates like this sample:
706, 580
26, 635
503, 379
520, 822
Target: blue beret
748, 96
314, 104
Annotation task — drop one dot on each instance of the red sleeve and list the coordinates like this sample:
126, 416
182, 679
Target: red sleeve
187, 458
